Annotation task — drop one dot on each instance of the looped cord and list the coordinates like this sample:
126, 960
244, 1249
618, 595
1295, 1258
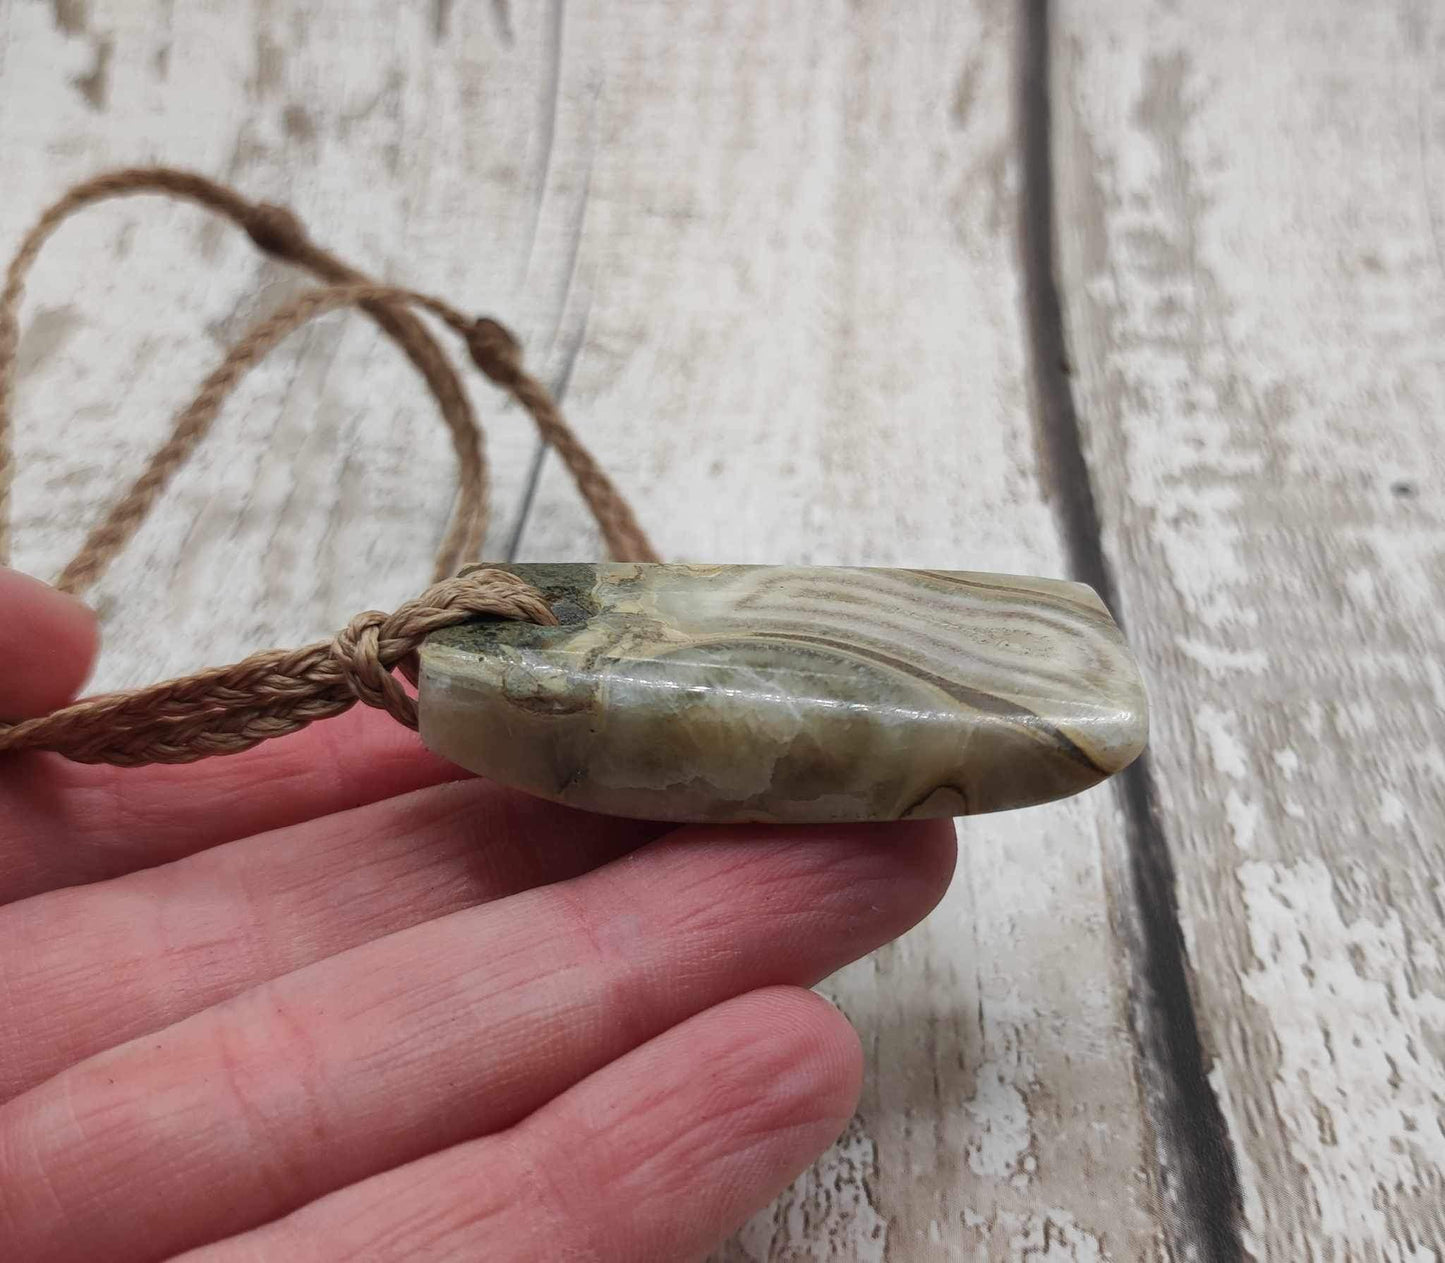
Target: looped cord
227, 709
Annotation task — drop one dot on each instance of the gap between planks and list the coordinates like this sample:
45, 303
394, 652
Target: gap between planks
1198, 1179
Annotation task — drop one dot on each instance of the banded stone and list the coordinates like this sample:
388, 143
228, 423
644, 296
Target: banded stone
779, 693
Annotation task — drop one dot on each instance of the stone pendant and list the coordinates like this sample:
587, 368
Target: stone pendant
781, 693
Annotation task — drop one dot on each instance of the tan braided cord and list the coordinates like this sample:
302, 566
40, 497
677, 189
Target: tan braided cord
227, 709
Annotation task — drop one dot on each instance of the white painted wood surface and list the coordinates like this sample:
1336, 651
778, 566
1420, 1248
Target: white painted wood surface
1252, 210
769, 250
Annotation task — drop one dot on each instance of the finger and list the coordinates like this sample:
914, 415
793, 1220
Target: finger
658, 1156
436, 1034
63, 823
89, 967
47, 644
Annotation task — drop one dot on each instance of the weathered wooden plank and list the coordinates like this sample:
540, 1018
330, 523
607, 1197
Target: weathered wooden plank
432, 161
804, 344
770, 251
1252, 202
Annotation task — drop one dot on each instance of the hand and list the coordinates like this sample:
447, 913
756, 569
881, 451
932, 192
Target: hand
328, 1000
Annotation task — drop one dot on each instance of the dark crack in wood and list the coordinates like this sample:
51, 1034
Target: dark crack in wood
1198, 1179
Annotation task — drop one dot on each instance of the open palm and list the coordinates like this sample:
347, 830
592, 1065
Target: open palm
326, 1000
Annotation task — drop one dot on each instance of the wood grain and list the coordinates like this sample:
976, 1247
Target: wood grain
330, 477
1250, 209
768, 251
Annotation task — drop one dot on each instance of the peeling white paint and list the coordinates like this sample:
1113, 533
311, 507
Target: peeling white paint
1001, 1125
1226, 749
1001, 1131
826, 1214
1244, 817
1045, 1236
1221, 660
1360, 1086
1392, 809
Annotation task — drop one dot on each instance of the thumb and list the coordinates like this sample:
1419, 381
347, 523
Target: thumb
47, 644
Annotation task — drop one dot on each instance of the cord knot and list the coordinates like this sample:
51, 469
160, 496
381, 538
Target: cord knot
275, 229
229, 708
495, 350
370, 647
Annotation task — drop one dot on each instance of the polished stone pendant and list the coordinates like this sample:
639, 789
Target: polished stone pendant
782, 693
